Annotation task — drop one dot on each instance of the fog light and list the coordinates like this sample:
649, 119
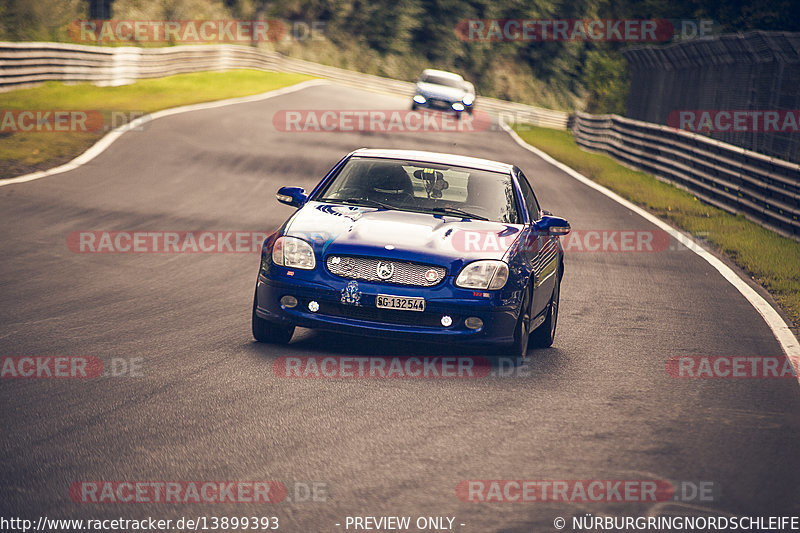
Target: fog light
473, 322
313, 306
447, 321
289, 301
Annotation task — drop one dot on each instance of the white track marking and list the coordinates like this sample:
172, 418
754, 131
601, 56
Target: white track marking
781, 331
100, 146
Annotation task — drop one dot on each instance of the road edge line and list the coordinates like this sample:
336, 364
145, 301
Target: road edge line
108, 139
780, 329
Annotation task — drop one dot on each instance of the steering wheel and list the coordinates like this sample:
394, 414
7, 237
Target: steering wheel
476, 209
389, 198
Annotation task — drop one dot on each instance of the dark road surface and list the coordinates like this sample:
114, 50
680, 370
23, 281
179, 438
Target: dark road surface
598, 405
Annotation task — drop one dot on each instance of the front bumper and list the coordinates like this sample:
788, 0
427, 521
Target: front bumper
441, 105
364, 318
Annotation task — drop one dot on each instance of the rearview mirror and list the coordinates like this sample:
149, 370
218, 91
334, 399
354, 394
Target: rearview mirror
294, 196
552, 225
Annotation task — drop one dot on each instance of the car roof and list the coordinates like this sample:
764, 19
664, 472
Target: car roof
435, 157
442, 73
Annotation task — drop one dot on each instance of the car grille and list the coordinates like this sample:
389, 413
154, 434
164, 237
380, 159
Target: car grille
366, 268
439, 104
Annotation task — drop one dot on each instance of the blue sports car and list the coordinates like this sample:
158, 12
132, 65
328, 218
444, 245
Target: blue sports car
407, 244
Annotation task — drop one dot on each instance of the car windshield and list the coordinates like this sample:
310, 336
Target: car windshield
442, 80
424, 187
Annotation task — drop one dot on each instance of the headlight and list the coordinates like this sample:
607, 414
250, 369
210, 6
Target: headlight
488, 274
468, 100
458, 106
418, 98
293, 253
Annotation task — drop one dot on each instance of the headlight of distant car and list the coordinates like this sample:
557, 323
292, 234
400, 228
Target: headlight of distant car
468, 100
294, 253
419, 99
487, 274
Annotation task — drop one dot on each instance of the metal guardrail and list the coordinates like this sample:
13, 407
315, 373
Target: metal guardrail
758, 70
25, 64
764, 189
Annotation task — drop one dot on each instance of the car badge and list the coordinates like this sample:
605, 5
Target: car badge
384, 270
336, 260
351, 295
431, 275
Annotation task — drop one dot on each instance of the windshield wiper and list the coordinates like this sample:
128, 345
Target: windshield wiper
457, 212
365, 202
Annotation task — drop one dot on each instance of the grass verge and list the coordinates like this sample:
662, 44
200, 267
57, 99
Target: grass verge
772, 260
22, 152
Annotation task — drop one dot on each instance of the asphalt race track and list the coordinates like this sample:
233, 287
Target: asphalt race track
204, 402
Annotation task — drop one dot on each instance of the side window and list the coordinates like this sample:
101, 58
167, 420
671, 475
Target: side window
530, 198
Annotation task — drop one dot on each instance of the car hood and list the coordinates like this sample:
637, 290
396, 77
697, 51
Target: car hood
443, 92
447, 241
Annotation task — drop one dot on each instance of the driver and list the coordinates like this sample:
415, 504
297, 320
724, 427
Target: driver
390, 181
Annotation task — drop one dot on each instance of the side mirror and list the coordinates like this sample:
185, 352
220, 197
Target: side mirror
294, 196
551, 225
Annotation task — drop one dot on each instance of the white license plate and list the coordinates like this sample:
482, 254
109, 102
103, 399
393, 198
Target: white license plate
404, 303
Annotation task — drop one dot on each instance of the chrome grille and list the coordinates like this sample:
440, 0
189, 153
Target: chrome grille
366, 268
441, 104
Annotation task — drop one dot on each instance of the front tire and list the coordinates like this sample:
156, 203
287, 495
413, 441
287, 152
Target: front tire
545, 334
521, 333
266, 331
